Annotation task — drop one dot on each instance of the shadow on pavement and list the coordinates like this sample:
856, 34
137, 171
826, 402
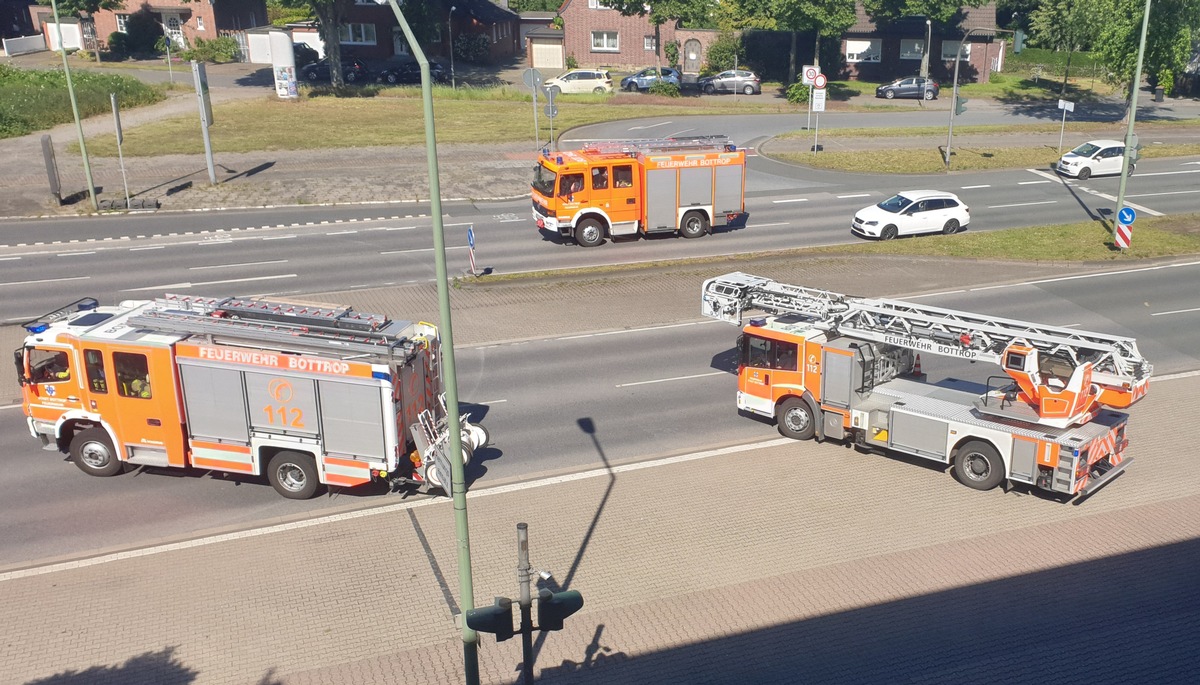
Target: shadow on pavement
150, 668
1123, 619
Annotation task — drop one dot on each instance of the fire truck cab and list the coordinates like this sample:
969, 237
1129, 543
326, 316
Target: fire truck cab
639, 187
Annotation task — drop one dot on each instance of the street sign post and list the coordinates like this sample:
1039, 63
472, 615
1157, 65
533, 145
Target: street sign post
1065, 106
818, 106
471, 248
807, 76
1123, 236
206, 115
551, 111
120, 139
533, 80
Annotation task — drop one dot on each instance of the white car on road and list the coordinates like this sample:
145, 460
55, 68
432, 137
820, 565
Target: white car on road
912, 212
1094, 158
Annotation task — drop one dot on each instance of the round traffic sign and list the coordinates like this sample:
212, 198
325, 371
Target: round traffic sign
819, 81
532, 78
810, 73
1126, 215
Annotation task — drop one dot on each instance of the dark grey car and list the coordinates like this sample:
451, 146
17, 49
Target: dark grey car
731, 81
911, 87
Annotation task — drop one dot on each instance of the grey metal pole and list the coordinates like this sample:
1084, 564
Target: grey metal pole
1133, 98
466, 585
120, 139
954, 100
87, 167
450, 39
523, 580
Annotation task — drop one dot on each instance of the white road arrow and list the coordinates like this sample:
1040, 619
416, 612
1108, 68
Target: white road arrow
638, 128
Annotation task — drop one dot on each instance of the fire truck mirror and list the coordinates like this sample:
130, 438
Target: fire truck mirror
19, 358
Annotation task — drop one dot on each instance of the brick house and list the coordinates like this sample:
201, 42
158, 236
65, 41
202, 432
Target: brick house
881, 53
371, 32
598, 36
183, 21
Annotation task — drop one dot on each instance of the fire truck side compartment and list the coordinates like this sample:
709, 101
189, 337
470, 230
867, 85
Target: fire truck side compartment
728, 198
661, 187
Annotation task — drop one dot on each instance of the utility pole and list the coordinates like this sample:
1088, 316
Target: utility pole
954, 104
458, 484
1134, 83
87, 167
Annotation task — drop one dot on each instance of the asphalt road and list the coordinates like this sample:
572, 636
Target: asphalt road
648, 392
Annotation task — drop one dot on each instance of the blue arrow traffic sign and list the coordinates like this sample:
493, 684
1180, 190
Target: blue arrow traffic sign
1126, 215
471, 238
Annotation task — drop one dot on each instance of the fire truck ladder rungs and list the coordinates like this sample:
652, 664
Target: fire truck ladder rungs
319, 326
698, 143
727, 297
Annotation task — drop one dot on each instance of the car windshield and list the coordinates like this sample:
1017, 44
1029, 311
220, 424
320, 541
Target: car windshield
1086, 150
894, 204
543, 180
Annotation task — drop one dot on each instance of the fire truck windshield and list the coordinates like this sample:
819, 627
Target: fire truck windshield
543, 180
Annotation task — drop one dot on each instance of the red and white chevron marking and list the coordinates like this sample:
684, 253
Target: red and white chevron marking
1123, 236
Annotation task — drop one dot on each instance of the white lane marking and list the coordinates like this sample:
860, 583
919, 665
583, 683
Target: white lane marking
395, 228
340, 232
8, 259
986, 185
1112, 198
678, 133
1176, 376
1173, 192
383, 510
642, 128
637, 330
847, 197
74, 254
509, 221
152, 247
423, 249
944, 292
48, 280
1170, 173
777, 223
227, 266
1048, 175
1082, 276
489, 402
196, 285
667, 380
1023, 204
797, 199
277, 237
1177, 311
1030, 183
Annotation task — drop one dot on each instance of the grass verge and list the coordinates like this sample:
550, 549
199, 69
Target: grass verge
35, 100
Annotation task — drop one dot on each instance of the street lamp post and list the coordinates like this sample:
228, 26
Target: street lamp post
954, 100
925, 58
450, 41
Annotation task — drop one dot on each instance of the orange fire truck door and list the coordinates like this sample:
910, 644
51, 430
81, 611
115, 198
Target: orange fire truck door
626, 189
56, 381
757, 359
142, 404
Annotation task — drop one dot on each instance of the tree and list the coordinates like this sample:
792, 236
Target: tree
330, 14
660, 12
1174, 24
1068, 25
940, 11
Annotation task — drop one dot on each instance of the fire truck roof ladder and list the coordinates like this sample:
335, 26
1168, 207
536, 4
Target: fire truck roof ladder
727, 297
275, 321
690, 143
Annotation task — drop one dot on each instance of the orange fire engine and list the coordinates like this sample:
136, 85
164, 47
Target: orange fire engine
307, 394
639, 187
827, 365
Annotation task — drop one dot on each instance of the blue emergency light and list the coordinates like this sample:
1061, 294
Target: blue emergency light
38, 327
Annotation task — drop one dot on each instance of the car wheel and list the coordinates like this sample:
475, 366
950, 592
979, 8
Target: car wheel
598, 90
979, 466
795, 419
630, 87
391, 78
889, 94
589, 233
950, 227
93, 453
710, 89
888, 233
694, 225
1132, 166
311, 75
929, 95
748, 90
351, 77
1084, 174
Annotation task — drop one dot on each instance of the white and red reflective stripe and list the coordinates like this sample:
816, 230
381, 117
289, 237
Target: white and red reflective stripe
346, 472
222, 457
1123, 236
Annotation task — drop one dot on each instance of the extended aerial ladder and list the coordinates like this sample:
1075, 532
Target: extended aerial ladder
652, 145
1062, 374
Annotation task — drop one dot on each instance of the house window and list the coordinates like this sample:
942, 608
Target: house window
122, 22
912, 48
950, 50
862, 50
649, 44
605, 41
357, 34
595, 5
199, 23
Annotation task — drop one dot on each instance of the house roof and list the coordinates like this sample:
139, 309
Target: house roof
545, 32
538, 16
973, 17
486, 12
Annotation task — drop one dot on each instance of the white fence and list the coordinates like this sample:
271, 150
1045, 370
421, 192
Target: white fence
24, 44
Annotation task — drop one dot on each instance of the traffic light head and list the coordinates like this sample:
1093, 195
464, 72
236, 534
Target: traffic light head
496, 619
1018, 41
960, 105
555, 607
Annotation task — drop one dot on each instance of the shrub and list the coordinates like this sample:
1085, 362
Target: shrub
572, 63
671, 51
33, 100
218, 50
724, 53
118, 45
142, 34
797, 93
471, 47
664, 88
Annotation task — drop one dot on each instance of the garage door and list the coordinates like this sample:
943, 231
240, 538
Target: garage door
547, 54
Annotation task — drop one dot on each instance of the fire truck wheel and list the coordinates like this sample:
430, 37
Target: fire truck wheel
979, 466
694, 225
93, 453
589, 233
294, 475
888, 233
795, 419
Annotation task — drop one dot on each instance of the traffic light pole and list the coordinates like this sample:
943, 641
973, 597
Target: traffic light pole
524, 573
1133, 98
954, 101
458, 481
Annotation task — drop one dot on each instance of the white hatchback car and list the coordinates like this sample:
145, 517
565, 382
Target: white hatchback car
1093, 158
580, 81
911, 212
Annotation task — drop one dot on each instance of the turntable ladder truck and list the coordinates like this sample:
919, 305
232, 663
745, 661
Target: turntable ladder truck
827, 365
305, 394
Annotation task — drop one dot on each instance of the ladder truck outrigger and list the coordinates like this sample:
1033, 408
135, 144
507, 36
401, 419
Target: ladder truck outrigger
307, 394
830, 366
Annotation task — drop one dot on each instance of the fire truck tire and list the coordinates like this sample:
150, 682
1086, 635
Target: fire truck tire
888, 233
294, 475
694, 225
93, 453
795, 419
589, 233
979, 466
